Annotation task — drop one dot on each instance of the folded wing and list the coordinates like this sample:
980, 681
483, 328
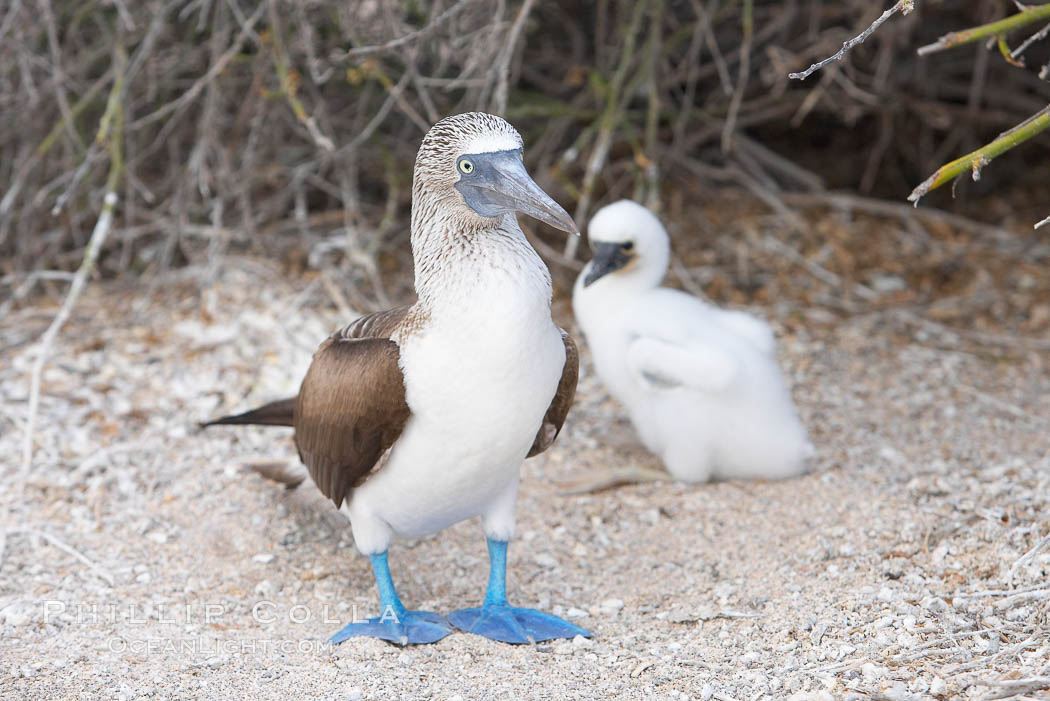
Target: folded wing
559, 408
351, 405
664, 365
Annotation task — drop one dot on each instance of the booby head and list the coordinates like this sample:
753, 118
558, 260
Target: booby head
472, 164
630, 246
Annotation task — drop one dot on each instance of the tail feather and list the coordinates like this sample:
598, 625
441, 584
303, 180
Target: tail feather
279, 413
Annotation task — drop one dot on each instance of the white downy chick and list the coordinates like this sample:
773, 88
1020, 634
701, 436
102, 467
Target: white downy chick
701, 384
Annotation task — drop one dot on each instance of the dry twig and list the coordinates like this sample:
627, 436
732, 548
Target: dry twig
1025, 558
1012, 687
412, 36
66, 548
747, 22
499, 99
902, 6
111, 131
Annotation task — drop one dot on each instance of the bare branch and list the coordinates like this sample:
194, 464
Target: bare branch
607, 124
1025, 558
748, 30
1013, 687
66, 548
216, 69
1038, 36
111, 130
902, 6
499, 100
290, 83
410, 37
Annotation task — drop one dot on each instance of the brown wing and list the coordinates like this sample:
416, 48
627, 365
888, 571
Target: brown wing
351, 406
559, 407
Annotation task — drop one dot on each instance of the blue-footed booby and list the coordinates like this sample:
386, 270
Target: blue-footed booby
701, 384
413, 419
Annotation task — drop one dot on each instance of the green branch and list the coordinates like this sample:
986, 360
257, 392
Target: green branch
1033, 13
983, 156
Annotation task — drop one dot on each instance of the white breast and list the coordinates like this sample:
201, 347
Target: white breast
479, 377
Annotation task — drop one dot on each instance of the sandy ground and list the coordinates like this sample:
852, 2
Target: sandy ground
147, 563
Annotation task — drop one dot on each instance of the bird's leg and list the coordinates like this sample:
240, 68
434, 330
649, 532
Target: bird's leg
395, 623
496, 592
389, 601
498, 620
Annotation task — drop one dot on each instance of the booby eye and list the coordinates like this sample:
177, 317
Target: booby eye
627, 245
466, 167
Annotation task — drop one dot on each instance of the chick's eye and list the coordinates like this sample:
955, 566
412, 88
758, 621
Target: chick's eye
466, 167
627, 245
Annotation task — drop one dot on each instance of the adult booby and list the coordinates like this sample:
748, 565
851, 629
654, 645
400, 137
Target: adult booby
413, 419
701, 384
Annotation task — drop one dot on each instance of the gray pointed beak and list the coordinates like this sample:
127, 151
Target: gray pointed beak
608, 258
499, 184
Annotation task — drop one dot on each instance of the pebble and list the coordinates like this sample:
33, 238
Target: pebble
938, 687
888, 283
263, 558
545, 560
19, 613
812, 696
610, 607
1021, 613
934, 603
872, 671
265, 588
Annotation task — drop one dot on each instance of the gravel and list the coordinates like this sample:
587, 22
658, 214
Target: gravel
148, 563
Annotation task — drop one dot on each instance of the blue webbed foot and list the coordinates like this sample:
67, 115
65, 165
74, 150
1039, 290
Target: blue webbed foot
410, 628
510, 624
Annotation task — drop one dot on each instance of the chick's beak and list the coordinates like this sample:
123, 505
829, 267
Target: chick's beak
608, 258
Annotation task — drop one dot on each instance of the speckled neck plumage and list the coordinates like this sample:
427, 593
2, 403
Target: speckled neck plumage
451, 255
452, 245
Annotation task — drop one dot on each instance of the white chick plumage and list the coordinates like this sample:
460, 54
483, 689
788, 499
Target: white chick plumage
701, 384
